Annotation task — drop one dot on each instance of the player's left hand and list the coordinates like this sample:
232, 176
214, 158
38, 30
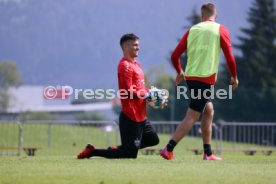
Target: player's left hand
234, 82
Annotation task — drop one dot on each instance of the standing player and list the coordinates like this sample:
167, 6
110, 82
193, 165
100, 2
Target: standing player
203, 43
136, 131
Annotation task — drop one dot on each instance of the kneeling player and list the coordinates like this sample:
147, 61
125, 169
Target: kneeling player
136, 131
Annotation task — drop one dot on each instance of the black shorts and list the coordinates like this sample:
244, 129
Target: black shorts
136, 135
197, 90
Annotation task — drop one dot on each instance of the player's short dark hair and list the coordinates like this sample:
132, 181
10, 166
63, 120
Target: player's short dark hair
127, 37
208, 9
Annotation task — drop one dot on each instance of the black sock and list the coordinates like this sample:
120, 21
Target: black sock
115, 153
171, 145
207, 149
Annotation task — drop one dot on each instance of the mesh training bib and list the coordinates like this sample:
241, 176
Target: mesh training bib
203, 50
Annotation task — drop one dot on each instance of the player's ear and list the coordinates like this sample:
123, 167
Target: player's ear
125, 45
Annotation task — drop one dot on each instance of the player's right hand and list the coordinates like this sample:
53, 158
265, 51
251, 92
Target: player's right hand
234, 82
179, 77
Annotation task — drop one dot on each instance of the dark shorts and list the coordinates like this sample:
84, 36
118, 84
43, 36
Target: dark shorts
136, 135
197, 89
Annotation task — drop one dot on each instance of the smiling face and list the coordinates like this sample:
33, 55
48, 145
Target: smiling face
131, 48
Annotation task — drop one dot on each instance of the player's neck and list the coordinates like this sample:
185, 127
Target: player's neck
212, 18
129, 58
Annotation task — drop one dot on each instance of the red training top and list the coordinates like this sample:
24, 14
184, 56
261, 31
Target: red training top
225, 44
131, 79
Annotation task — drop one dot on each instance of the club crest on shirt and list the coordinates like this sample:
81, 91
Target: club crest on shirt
137, 142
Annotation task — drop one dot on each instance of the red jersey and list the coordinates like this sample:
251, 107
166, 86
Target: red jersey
131, 79
225, 44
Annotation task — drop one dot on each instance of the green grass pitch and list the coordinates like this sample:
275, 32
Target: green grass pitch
58, 164
147, 169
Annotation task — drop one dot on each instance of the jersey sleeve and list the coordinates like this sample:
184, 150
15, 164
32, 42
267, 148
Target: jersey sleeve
225, 44
178, 51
